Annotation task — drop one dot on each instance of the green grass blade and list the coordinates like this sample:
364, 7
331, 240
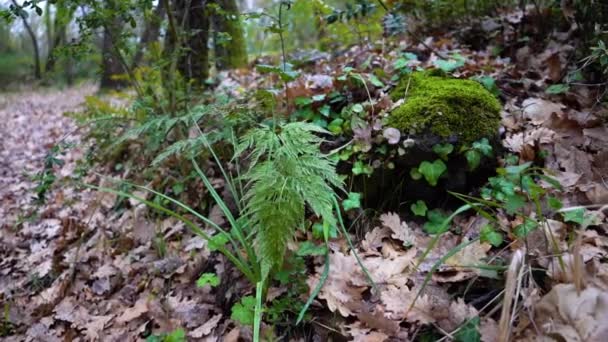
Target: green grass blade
237, 229
322, 279
445, 223
352, 247
187, 208
240, 265
436, 266
257, 318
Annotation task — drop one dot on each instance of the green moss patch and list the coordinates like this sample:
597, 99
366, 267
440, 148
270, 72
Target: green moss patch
447, 107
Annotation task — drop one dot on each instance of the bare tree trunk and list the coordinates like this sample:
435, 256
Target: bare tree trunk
54, 45
30, 32
150, 34
193, 55
228, 37
111, 64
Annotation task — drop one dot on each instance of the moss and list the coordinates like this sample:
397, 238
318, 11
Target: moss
448, 107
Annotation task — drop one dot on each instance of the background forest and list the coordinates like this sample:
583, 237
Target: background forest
303, 170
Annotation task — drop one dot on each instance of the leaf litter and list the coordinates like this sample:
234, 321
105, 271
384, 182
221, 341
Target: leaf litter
81, 269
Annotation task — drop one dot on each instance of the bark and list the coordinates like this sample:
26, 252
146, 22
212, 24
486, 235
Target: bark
111, 64
51, 58
231, 53
63, 16
30, 32
150, 34
192, 19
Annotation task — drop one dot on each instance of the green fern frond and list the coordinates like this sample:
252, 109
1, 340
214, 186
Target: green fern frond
287, 173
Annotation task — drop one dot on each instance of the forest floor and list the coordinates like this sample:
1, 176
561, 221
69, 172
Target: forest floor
63, 274
74, 268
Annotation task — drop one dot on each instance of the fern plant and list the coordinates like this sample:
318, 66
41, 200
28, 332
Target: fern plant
287, 172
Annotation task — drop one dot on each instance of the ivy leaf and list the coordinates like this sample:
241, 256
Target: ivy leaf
577, 215
554, 203
375, 81
517, 169
309, 248
483, 146
178, 188
335, 126
357, 108
432, 171
469, 332
208, 279
318, 98
443, 150
352, 202
317, 231
400, 63
360, 168
435, 222
491, 236
555, 89
513, 203
243, 311
451, 64
489, 83
419, 208
473, 159
325, 110
525, 228
415, 174
217, 241
301, 101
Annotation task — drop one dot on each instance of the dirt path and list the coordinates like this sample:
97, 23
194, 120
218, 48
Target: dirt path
73, 268
31, 122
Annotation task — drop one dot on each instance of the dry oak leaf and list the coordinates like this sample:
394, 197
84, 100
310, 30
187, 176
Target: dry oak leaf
460, 266
373, 240
206, 328
343, 286
400, 230
361, 334
139, 308
538, 111
398, 300
389, 270
524, 142
488, 328
574, 317
459, 312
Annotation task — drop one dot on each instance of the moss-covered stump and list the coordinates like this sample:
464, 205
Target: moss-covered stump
436, 111
453, 109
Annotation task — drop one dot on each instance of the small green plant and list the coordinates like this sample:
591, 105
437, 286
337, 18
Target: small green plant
46, 177
476, 152
512, 190
6, 326
430, 171
287, 171
177, 335
244, 310
419, 208
210, 279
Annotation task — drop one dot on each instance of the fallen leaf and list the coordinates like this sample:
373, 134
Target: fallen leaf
206, 328
400, 230
574, 317
538, 110
139, 308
